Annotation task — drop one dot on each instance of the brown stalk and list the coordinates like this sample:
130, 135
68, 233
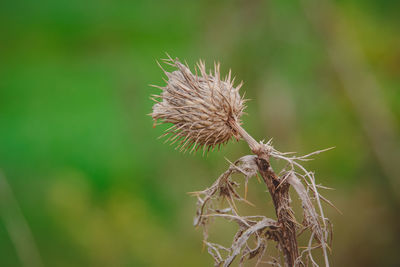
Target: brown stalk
279, 191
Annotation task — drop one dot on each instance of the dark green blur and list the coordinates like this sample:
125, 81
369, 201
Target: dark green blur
82, 159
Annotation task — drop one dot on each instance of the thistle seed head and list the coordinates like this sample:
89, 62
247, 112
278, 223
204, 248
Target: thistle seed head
204, 109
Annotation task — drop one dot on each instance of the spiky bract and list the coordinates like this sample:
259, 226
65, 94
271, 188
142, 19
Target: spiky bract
203, 108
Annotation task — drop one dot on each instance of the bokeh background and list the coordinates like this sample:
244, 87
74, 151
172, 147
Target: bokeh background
84, 180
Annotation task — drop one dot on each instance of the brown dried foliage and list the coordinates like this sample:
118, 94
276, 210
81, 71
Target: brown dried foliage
284, 230
206, 112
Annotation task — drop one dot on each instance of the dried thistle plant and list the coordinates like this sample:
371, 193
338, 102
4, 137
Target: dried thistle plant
205, 112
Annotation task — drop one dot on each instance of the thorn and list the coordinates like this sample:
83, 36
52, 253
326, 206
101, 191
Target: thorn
258, 178
248, 202
245, 190
194, 193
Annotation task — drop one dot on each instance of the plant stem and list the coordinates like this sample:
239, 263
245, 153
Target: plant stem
279, 191
280, 195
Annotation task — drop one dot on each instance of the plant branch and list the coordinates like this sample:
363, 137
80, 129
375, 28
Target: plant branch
279, 191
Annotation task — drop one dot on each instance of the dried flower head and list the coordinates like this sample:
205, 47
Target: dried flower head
204, 109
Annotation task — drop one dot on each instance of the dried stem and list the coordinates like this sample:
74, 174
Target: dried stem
255, 147
279, 191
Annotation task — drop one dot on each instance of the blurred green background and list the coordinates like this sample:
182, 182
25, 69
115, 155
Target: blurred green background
86, 182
